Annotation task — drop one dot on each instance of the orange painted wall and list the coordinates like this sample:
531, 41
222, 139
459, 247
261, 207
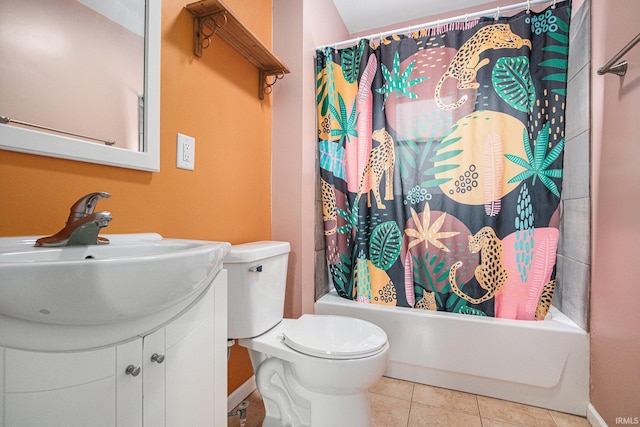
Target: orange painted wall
227, 197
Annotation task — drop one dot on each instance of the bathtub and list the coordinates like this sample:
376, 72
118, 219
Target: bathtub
543, 363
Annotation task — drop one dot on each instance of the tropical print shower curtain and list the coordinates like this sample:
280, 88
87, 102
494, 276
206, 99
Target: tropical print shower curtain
441, 164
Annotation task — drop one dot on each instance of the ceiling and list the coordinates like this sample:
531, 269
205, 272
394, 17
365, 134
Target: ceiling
363, 15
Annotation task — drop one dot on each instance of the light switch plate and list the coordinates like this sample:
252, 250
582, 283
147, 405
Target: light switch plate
185, 154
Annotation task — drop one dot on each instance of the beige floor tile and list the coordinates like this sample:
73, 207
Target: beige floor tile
396, 403
568, 420
392, 387
447, 399
514, 413
422, 415
487, 422
387, 411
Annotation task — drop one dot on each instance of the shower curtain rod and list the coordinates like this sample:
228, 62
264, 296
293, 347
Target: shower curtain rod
440, 22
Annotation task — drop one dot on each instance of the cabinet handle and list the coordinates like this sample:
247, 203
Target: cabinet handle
158, 358
134, 371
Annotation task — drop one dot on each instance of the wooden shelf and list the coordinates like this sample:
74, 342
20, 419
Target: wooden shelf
213, 17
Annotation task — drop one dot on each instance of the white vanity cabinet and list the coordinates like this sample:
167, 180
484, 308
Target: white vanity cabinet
59, 388
173, 376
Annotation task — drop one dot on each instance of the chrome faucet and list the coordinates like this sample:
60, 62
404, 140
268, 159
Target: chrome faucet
83, 225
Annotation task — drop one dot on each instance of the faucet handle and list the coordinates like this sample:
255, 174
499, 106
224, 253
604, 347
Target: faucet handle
85, 205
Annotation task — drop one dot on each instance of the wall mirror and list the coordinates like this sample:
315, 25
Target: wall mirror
80, 80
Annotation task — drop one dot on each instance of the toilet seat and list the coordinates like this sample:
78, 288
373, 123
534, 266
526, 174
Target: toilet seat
334, 337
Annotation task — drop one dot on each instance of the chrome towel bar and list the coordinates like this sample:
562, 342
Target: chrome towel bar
620, 68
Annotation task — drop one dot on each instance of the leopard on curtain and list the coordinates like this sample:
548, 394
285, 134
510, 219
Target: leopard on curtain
441, 165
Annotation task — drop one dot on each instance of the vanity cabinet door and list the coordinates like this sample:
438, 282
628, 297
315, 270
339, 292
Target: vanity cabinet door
196, 368
91, 388
60, 389
190, 395
153, 380
129, 376
190, 371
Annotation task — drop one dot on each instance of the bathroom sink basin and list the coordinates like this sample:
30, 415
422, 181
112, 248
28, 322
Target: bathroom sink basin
135, 275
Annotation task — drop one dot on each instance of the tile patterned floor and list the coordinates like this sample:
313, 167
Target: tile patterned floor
397, 403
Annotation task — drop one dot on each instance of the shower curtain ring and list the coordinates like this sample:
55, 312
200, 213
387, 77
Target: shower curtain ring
528, 7
497, 13
553, 6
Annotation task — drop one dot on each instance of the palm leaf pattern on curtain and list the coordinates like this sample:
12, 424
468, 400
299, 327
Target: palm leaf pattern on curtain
473, 125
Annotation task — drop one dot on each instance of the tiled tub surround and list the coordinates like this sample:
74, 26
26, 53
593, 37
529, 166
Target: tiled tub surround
574, 246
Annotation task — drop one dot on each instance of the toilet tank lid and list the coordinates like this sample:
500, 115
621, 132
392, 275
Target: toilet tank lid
247, 252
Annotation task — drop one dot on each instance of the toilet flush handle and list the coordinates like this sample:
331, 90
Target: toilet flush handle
256, 268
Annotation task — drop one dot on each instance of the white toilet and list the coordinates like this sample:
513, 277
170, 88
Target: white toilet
312, 371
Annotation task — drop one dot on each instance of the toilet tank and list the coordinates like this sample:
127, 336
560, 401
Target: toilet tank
257, 279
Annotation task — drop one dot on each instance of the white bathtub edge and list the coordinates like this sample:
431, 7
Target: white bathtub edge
563, 387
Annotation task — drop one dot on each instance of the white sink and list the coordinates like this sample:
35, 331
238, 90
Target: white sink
135, 275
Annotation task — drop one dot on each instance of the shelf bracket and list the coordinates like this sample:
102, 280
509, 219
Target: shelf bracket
213, 17
264, 86
205, 27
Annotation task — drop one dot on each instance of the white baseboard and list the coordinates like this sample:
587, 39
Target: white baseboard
241, 393
594, 417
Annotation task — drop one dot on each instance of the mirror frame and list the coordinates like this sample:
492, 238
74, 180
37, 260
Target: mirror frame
30, 141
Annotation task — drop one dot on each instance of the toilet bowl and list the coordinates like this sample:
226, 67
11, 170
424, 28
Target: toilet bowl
309, 386
311, 371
